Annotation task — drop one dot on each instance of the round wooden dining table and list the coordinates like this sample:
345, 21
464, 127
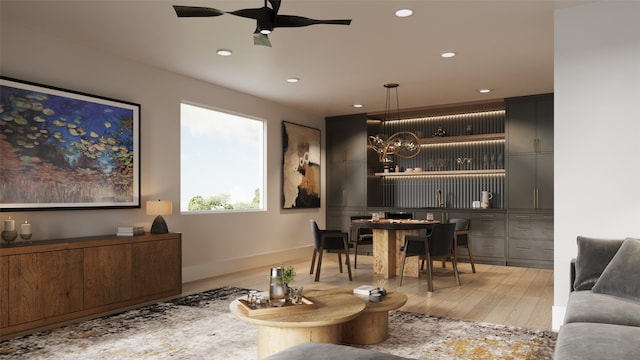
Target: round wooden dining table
388, 238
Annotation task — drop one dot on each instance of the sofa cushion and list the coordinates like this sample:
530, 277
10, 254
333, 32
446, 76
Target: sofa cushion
593, 257
587, 306
622, 276
321, 351
586, 341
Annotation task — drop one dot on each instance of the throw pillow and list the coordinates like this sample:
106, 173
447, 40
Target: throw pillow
621, 277
593, 257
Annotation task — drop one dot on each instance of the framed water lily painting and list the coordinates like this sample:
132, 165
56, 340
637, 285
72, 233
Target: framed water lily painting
61, 149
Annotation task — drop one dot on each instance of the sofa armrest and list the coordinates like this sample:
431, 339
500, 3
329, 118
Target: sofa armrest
572, 265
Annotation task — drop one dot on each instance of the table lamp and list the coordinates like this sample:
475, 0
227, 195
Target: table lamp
159, 208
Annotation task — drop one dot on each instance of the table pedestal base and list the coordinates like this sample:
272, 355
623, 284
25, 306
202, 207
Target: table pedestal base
274, 339
368, 328
387, 256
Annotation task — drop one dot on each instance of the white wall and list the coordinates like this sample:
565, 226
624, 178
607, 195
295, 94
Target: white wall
597, 130
212, 244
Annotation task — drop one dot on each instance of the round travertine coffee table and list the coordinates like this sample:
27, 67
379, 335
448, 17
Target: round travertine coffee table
372, 325
278, 331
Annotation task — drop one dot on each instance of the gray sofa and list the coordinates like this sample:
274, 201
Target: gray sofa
602, 320
320, 351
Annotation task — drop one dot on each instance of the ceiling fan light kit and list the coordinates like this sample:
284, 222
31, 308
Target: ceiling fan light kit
267, 18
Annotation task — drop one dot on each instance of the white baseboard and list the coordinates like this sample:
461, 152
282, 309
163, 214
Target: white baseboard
557, 317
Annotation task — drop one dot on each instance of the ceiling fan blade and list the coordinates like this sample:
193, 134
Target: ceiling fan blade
196, 11
261, 39
275, 5
299, 21
257, 14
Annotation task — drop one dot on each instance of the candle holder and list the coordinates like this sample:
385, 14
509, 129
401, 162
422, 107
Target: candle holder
26, 237
9, 235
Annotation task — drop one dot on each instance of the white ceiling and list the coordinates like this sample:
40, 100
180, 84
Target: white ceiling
504, 45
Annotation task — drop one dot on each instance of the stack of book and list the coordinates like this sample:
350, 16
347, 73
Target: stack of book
365, 290
130, 230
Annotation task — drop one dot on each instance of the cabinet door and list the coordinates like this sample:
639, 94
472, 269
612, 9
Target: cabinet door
44, 285
107, 275
544, 180
522, 181
156, 267
521, 124
4, 291
544, 125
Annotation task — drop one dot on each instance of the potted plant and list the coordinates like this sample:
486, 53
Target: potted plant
288, 274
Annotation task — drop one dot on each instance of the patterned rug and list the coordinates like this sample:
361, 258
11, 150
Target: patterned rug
200, 326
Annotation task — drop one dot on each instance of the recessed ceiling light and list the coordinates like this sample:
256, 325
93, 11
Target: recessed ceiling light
484, 91
358, 105
448, 54
404, 12
223, 52
293, 80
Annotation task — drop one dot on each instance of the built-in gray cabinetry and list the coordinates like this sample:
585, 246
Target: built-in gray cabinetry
531, 240
488, 237
529, 126
530, 152
346, 144
516, 230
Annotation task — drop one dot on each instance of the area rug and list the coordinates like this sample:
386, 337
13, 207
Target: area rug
200, 326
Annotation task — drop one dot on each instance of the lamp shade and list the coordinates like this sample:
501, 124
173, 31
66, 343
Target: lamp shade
160, 207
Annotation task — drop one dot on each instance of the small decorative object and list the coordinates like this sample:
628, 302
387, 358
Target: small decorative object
296, 295
440, 132
26, 231
9, 233
277, 289
159, 208
469, 130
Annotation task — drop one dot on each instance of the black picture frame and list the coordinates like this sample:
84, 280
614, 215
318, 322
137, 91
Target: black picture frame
301, 167
63, 149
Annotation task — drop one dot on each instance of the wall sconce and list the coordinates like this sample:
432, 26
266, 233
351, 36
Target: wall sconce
159, 208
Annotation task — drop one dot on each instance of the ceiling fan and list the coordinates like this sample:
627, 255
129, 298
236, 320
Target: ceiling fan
267, 18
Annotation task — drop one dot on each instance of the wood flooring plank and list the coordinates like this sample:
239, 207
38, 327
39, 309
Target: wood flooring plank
496, 294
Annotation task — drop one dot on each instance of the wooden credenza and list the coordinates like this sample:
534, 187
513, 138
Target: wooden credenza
48, 282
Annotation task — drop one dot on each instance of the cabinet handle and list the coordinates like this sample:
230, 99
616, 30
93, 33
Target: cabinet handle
522, 248
536, 198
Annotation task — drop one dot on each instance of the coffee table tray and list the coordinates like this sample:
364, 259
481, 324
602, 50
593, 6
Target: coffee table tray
266, 309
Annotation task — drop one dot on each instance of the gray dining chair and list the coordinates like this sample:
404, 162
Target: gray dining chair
360, 236
332, 240
437, 244
463, 239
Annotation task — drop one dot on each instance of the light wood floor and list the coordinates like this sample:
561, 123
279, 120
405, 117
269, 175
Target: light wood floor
496, 294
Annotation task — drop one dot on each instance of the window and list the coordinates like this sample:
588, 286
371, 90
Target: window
222, 161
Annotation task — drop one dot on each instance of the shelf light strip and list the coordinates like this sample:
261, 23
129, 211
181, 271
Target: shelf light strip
499, 141
450, 117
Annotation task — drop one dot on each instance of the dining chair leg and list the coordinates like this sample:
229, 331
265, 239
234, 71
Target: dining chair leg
313, 260
340, 261
455, 270
355, 256
319, 265
348, 262
429, 274
404, 257
473, 266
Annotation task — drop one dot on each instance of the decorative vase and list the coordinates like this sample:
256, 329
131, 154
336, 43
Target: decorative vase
9, 235
277, 288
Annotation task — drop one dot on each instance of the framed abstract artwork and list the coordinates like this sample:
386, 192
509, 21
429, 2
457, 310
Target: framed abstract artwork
61, 149
300, 166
